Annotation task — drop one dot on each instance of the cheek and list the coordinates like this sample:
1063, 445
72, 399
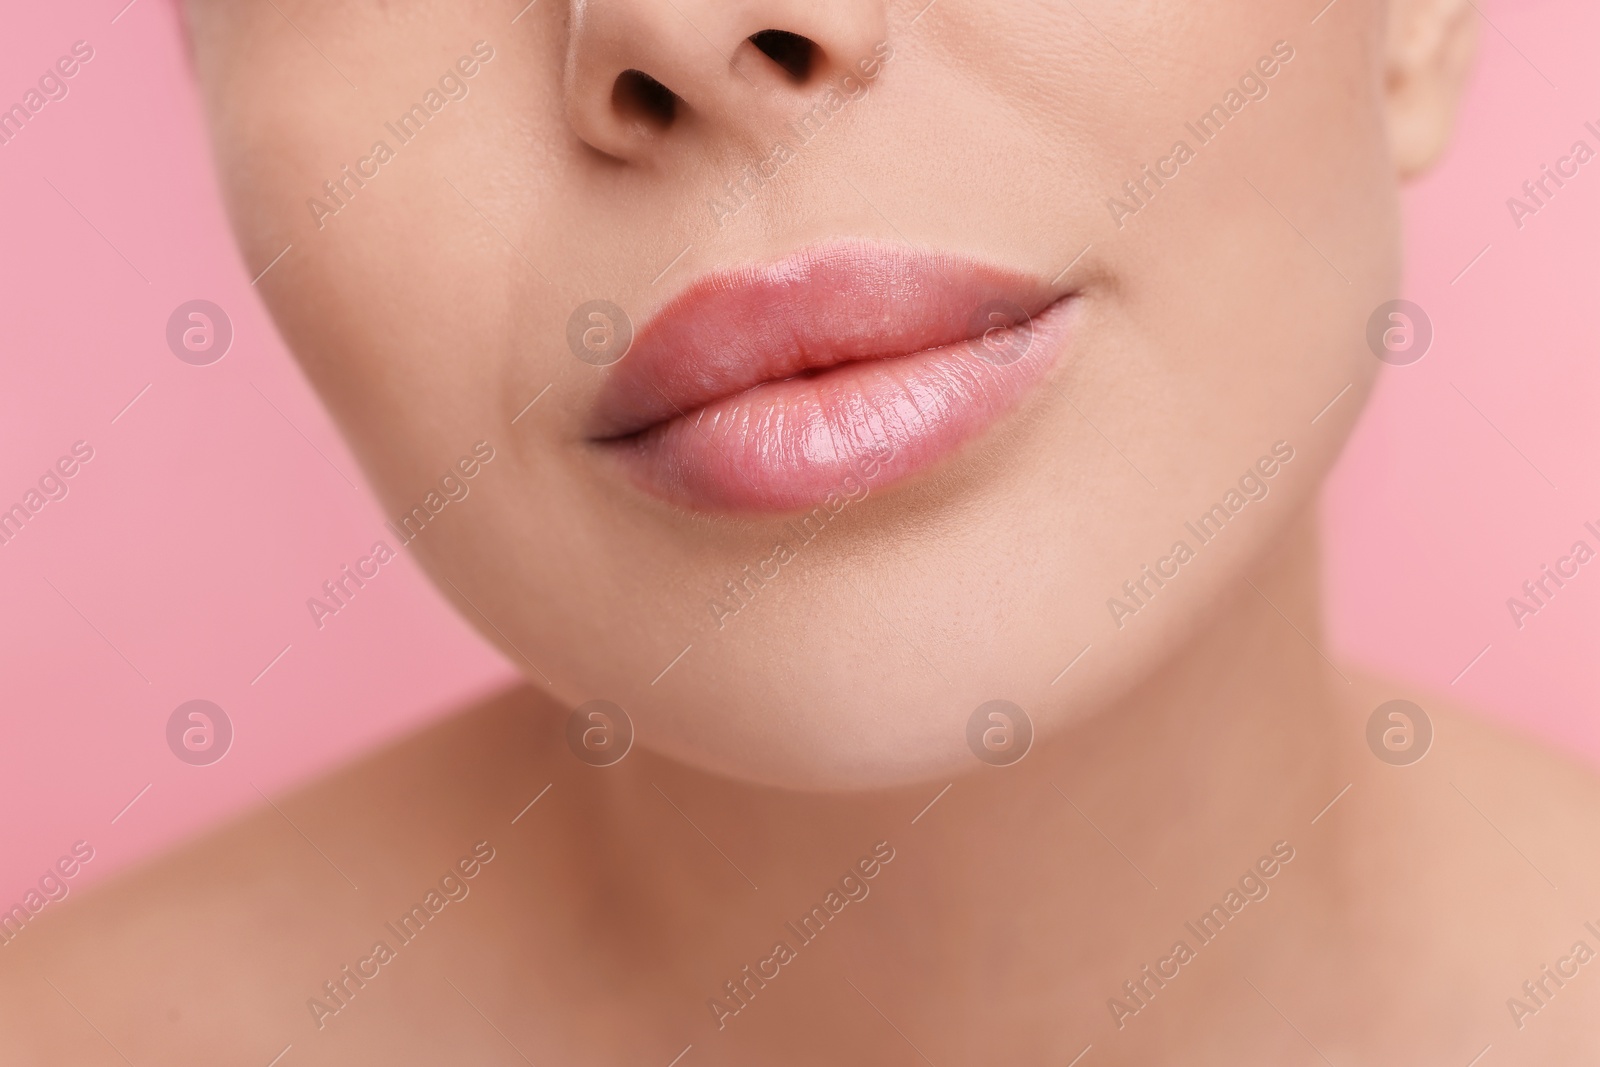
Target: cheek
1218, 319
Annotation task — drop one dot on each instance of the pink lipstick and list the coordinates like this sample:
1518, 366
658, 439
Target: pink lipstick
765, 387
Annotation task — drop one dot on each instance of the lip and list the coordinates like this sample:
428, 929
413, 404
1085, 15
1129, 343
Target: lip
769, 387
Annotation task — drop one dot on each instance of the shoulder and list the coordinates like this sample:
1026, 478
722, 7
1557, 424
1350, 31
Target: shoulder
218, 947
1470, 751
1474, 866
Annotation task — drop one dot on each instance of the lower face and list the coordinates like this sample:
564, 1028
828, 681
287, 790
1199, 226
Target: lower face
932, 354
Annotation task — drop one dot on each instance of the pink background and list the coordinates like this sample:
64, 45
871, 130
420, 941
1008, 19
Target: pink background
217, 503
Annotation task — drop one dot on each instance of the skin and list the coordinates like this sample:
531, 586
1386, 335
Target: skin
825, 717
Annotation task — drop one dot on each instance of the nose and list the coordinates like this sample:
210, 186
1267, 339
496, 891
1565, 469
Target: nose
639, 73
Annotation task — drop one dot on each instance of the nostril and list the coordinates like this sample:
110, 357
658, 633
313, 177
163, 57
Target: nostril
797, 55
641, 98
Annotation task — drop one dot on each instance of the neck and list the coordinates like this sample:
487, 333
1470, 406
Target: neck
1058, 877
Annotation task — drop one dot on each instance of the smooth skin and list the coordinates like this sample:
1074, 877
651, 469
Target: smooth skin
825, 717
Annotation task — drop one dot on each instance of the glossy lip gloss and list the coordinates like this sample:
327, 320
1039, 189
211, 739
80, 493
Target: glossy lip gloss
763, 388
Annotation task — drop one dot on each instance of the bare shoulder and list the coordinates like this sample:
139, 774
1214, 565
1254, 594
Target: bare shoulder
215, 950
1471, 746
1482, 780
1477, 850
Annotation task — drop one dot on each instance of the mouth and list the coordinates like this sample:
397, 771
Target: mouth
849, 366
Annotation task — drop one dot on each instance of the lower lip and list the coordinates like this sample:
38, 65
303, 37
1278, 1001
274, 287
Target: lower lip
787, 445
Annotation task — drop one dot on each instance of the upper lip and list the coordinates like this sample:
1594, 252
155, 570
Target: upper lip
732, 330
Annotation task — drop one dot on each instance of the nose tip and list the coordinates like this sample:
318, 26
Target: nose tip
640, 73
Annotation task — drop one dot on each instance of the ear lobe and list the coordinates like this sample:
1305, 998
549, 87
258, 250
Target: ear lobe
1428, 55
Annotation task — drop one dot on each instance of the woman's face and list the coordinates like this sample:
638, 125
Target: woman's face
784, 568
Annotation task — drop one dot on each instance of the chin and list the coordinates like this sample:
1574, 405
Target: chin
832, 754
901, 731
